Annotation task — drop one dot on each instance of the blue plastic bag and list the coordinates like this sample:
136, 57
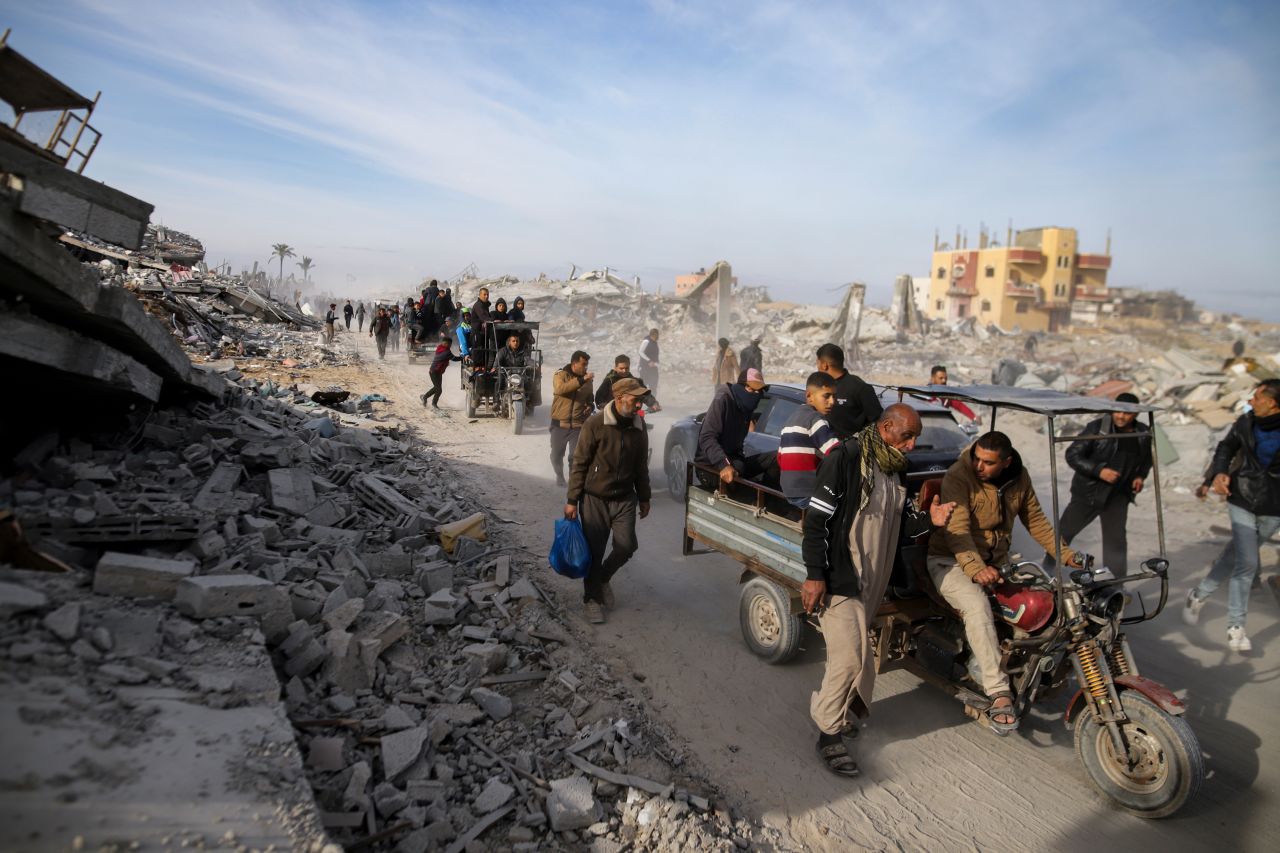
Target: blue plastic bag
570, 555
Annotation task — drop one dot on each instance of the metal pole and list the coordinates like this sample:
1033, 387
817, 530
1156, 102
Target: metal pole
1057, 539
993, 421
1155, 476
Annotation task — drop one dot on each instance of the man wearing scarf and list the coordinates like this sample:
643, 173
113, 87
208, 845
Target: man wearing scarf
851, 533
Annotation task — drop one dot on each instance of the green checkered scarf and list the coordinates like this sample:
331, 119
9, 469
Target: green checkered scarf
876, 452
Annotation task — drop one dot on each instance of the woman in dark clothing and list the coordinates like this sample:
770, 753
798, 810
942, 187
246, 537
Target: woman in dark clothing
444, 305
516, 315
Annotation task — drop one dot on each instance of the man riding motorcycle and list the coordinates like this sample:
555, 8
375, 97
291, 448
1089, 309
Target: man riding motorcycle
990, 488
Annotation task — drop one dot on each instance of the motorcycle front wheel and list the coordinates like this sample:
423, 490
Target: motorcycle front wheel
1164, 767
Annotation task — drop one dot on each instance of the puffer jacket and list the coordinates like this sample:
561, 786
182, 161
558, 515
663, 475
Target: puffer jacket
611, 461
573, 400
978, 533
1253, 487
1088, 458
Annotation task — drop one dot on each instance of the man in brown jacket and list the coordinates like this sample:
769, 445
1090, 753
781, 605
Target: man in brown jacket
571, 405
990, 489
610, 480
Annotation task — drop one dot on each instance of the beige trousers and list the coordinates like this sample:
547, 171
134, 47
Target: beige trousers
979, 623
848, 676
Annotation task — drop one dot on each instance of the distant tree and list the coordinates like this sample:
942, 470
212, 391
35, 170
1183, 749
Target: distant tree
306, 264
282, 251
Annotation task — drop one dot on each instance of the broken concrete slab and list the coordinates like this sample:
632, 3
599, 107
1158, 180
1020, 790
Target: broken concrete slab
16, 598
292, 490
497, 706
441, 608
136, 576
228, 595
572, 804
326, 754
65, 621
495, 794
401, 750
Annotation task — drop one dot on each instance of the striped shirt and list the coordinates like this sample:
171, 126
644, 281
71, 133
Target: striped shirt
805, 439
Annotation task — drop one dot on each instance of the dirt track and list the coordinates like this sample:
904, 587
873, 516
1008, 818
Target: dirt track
930, 778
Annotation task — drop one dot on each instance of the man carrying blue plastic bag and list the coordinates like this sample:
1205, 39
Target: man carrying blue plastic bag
608, 483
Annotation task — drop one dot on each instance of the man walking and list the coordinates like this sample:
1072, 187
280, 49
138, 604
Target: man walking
380, 331
751, 358
856, 402
724, 368
608, 483
360, 315
330, 323
571, 405
1109, 474
347, 313
439, 364
1245, 469
851, 534
649, 361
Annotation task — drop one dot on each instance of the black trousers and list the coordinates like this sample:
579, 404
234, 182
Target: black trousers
1114, 515
602, 519
562, 438
434, 392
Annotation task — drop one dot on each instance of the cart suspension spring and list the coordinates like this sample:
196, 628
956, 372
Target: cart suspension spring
1095, 681
1117, 658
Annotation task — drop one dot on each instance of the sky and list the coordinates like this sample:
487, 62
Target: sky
809, 144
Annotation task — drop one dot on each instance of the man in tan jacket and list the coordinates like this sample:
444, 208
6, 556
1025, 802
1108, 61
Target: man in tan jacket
990, 488
571, 405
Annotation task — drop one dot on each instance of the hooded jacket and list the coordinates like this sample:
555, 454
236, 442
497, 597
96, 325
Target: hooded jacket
978, 533
725, 426
572, 403
611, 461
1088, 458
1253, 487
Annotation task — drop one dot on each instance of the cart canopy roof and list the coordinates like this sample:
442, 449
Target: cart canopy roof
513, 327
1040, 401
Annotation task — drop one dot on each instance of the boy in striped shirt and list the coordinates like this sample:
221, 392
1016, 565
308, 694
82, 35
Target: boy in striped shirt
807, 438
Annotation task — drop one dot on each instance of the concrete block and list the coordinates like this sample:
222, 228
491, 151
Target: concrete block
488, 657
210, 596
326, 754
16, 598
495, 795
493, 703
76, 358
341, 617
345, 667
397, 719
353, 794
65, 621
434, 577
401, 750
383, 627
135, 576
307, 660
389, 799
571, 804
441, 608
292, 490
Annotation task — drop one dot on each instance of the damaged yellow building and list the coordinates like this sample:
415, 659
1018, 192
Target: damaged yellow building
1031, 281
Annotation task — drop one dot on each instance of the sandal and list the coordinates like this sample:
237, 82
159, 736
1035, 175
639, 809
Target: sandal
1002, 729
838, 760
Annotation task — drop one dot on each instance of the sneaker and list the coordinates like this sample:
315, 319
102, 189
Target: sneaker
606, 596
1238, 640
1191, 610
594, 612
423, 398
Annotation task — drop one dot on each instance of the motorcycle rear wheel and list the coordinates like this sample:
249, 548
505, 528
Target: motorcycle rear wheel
1169, 769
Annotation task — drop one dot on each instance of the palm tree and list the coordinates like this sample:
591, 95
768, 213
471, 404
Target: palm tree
281, 250
306, 264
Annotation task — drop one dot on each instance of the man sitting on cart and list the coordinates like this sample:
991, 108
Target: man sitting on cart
990, 488
513, 356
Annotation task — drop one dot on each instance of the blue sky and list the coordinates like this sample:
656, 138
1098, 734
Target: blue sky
809, 144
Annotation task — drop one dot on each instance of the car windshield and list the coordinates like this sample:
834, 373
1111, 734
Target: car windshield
940, 432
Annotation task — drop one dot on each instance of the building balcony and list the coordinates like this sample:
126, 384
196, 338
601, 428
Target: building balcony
1093, 262
1018, 288
1091, 293
959, 290
1019, 255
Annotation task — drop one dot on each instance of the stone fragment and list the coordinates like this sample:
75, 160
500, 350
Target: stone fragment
123, 674
494, 796
488, 657
353, 795
492, 703
211, 596
522, 588
341, 617
292, 490
345, 668
326, 754
136, 576
441, 608
389, 799
383, 627
396, 719
65, 621
571, 804
502, 571
16, 598
400, 750
434, 577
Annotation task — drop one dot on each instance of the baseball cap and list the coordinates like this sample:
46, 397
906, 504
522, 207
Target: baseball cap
754, 380
629, 386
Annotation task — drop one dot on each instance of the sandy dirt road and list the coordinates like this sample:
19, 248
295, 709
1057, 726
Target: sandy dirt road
930, 778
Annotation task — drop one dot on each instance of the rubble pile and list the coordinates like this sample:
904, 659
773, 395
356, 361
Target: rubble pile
436, 697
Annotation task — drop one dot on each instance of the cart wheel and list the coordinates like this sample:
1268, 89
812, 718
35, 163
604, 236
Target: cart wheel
517, 417
772, 632
472, 396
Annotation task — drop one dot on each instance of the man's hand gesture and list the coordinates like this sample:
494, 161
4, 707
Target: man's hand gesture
728, 473
644, 509
1109, 475
940, 513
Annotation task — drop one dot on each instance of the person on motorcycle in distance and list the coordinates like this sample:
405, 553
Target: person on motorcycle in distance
990, 488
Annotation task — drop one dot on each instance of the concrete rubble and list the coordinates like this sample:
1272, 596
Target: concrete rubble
435, 697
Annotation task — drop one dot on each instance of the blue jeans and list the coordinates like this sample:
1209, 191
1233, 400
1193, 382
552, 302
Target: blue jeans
1239, 561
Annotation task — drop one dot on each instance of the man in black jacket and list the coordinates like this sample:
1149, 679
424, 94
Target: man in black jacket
724, 430
622, 370
751, 356
1109, 474
851, 533
1246, 470
856, 402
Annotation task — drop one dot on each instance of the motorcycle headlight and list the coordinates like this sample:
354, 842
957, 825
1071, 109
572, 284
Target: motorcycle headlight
1107, 605
515, 380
